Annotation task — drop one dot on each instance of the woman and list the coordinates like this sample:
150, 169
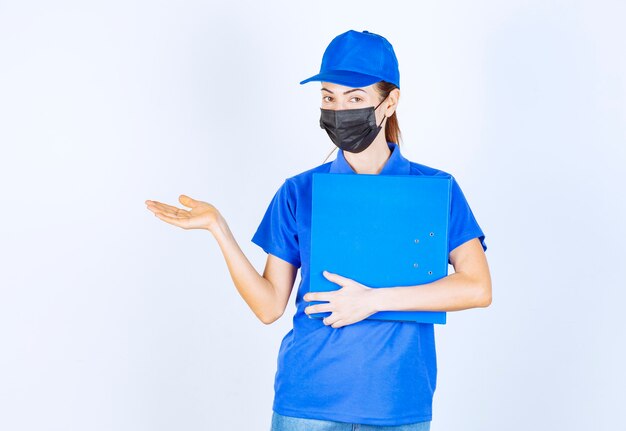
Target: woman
348, 372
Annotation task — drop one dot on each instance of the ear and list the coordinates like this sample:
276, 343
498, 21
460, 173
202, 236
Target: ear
392, 102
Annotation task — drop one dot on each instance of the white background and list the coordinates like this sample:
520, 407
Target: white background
111, 319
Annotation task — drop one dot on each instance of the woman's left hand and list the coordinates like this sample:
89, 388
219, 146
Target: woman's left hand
352, 303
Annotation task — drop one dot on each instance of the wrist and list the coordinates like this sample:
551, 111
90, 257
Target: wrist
217, 226
374, 300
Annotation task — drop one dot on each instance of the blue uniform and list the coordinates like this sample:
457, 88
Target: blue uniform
371, 372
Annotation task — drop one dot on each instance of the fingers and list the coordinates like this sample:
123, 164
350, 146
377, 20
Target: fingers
176, 221
169, 214
187, 201
336, 278
318, 296
318, 308
169, 210
333, 321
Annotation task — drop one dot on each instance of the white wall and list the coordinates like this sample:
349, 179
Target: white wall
111, 319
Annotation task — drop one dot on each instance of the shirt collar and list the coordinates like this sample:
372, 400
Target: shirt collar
396, 164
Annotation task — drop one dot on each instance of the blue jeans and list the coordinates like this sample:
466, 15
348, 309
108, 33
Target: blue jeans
289, 423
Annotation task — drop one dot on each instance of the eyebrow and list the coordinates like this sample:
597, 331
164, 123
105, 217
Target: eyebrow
345, 92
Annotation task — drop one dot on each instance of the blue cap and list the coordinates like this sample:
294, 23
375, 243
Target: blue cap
358, 59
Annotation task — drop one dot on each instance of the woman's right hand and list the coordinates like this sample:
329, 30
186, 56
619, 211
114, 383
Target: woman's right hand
202, 215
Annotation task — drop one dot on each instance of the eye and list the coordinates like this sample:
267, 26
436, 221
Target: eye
324, 98
358, 98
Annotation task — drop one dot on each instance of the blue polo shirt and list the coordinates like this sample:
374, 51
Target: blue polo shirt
372, 372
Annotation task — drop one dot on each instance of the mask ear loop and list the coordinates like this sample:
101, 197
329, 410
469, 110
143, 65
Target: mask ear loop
381, 102
384, 116
331, 151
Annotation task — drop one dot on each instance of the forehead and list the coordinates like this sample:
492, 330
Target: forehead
337, 89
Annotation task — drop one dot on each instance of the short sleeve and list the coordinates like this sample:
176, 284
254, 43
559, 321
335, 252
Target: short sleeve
278, 234
463, 224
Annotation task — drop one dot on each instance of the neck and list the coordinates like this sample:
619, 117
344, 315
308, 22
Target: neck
372, 159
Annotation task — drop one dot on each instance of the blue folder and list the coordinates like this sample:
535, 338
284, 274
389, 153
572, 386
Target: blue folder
381, 231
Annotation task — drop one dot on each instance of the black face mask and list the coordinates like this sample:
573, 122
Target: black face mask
351, 130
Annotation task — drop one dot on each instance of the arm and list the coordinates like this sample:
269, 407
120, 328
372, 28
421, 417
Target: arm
266, 295
468, 287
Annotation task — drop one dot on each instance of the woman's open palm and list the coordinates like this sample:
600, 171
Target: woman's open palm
202, 215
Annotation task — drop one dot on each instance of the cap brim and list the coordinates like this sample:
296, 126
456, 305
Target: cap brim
344, 77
